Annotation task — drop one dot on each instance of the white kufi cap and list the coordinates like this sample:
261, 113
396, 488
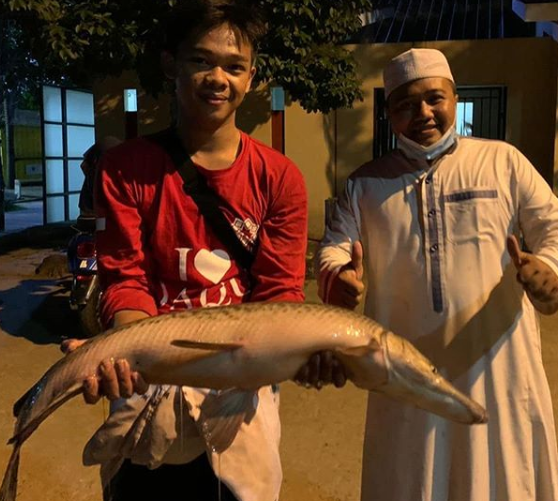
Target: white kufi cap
415, 64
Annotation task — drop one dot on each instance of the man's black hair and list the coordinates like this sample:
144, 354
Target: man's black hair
194, 17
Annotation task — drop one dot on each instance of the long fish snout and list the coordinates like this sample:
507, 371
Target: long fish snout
413, 378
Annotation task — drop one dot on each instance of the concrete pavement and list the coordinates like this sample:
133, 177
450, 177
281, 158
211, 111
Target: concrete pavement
25, 211
27, 214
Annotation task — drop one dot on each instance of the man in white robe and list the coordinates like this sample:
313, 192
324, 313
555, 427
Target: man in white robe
436, 225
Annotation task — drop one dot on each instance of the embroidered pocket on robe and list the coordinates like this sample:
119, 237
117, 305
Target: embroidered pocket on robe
470, 215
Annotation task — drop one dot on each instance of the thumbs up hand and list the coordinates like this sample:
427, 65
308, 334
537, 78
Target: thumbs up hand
537, 278
356, 260
347, 287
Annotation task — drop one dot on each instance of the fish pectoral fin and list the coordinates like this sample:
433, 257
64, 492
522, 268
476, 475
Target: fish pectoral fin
141, 426
222, 415
202, 345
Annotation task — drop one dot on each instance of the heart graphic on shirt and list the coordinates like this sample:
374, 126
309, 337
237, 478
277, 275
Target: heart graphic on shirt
212, 264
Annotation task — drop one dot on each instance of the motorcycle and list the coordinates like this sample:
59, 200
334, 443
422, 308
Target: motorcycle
85, 292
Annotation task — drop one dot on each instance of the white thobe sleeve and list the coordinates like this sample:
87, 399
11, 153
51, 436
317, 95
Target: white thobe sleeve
538, 212
336, 246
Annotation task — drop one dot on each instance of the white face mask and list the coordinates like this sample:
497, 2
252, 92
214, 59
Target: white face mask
419, 152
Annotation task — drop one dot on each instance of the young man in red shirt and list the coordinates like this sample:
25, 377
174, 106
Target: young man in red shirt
157, 254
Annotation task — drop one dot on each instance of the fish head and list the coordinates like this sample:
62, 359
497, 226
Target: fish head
413, 378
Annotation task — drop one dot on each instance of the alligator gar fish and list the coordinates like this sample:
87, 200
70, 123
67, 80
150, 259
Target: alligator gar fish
240, 349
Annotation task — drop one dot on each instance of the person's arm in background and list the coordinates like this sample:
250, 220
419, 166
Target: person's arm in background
122, 267
537, 272
339, 260
339, 271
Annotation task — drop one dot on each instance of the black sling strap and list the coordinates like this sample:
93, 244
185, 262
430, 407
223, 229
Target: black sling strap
195, 185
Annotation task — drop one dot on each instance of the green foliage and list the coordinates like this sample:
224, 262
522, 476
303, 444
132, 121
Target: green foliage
28, 101
303, 51
83, 40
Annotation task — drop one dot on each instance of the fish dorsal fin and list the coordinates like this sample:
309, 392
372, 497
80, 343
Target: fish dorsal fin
222, 415
362, 350
204, 345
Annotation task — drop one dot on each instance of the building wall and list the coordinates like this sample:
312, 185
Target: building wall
28, 153
527, 67
310, 143
328, 148
153, 114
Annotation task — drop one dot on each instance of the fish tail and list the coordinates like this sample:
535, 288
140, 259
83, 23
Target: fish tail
8, 491
24, 430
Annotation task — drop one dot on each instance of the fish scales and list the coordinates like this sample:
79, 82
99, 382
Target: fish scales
245, 347
301, 329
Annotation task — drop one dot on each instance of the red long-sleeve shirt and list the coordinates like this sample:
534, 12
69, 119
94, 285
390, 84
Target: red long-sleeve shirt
157, 253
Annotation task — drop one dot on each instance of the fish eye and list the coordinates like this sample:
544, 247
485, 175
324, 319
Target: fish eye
434, 370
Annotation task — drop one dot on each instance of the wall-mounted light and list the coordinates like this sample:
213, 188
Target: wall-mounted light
277, 99
130, 113
130, 100
278, 118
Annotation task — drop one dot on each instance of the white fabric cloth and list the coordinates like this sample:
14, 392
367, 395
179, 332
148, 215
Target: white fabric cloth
417, 151
413, 65
168, 432
439, 274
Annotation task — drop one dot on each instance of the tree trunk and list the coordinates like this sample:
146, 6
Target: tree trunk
2, 186
10, 105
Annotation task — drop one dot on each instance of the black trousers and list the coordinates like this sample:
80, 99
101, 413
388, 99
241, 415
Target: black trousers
194, 481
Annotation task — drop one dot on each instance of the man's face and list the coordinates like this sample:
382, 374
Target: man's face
423, 110
212, 73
